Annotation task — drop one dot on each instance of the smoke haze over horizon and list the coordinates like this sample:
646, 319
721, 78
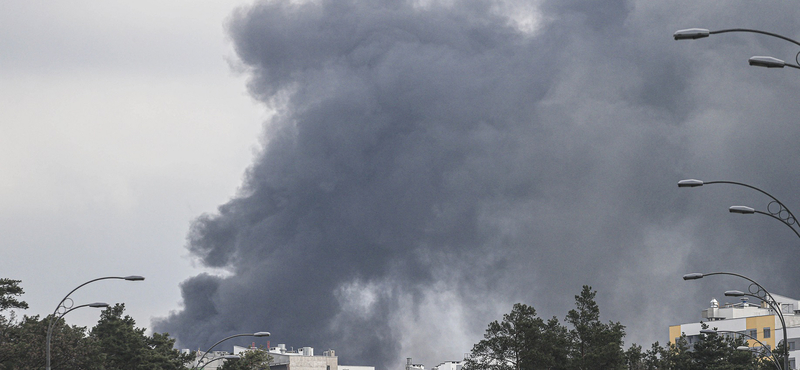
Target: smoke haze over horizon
431, 163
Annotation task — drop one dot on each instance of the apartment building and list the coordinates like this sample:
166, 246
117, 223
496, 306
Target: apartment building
751, 320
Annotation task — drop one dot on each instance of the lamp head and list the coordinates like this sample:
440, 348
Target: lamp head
691, 34
734, 293
708, 332
693, 276
741, 210
261, 334
690, 183
98, 305
768, 62
743, 348
134, 278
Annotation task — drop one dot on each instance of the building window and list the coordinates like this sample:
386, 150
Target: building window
791, 346
791, 363
767, 333
754, 333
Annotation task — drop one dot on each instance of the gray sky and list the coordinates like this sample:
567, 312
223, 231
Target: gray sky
121, 122
429, 164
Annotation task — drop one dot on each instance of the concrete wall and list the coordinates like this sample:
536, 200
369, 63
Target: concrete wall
312, 363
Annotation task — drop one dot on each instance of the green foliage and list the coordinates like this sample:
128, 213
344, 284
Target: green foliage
520, 341
23, 346
127, 347
9, 289
252, 359
114, 343
634, 358
594, 345
715, 352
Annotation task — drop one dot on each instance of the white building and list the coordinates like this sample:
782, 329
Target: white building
755, 320
449, 365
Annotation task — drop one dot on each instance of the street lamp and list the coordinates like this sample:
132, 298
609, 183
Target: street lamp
62, 306
745, 348
758, 61
759, 293
775, 209
66, 311
256, 334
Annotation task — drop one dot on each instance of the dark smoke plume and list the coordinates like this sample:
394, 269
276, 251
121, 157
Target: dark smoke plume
431, 163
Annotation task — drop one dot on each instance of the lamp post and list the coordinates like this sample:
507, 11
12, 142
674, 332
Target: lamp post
761, 294
62, 306
772, 355
775, 209
758, 61
256, 334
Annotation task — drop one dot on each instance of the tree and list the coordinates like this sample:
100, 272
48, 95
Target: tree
125, 346
634, 358
252, 359
521, 341
677, 356
70, 348
593, 344
9, 289
717, 352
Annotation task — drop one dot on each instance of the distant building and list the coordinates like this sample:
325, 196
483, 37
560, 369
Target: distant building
449, 365
282, 359
301, 359
756, 320
412, 366
211, 355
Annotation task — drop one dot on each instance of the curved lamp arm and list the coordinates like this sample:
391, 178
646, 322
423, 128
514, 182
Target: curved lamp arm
128, 278
256, 334
755, 31
51, 323
769, 62
770, 302
789, 221
66, 309
772, 355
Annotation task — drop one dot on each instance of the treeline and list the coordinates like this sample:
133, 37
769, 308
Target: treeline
520, 341
524, 341
115, 343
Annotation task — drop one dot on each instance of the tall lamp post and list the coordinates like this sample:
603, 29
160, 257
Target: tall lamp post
761, 294
62, 306
256, 334
772, 355
775, 209
758, 61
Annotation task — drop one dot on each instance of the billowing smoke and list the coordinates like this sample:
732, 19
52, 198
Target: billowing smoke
432, 162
